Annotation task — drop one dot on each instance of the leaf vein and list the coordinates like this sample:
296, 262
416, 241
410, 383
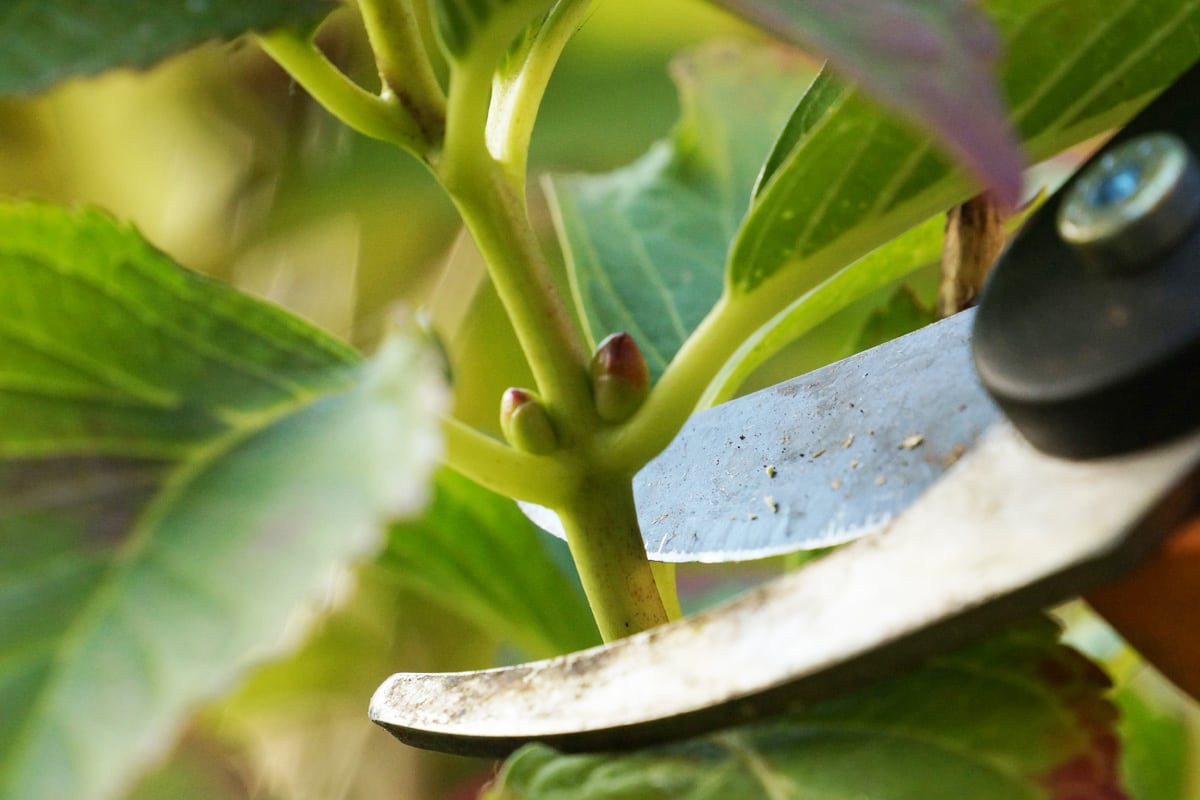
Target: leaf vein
155, 321
81, 364
1117, 71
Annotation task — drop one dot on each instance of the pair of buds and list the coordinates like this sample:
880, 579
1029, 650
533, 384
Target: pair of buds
620, 380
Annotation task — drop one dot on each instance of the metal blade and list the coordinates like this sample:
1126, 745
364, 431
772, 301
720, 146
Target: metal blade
817, 460
820, 459
1008, 531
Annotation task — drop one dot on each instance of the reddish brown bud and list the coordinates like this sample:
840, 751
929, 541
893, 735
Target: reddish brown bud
526, 423
620, 377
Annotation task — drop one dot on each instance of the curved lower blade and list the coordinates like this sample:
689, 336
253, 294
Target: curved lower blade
1007, 532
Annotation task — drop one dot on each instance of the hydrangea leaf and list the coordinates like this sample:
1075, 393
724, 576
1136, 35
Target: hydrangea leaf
42, 43
182, 468
1017, 717
646, 244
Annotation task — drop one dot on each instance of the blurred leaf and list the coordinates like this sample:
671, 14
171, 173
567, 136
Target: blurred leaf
902, 313
475, 552
302, 720
44, 42
1155, 759
198, 769
1015, 717
180, 468
646, 244
467, 26
901, 257
934, 61
469, 576
845, 178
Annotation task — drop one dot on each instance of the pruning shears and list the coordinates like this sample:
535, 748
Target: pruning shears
1042, 446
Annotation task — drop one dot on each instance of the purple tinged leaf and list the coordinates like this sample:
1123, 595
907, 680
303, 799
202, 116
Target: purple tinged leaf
933, 60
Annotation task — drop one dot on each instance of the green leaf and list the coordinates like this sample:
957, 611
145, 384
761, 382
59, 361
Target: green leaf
902, 313
475, 552
646, 245
181, 467
1155, 762
918, 247
1014, 718
472, 26
301, 721
468, 576
1075, 70
44, 42
931, 60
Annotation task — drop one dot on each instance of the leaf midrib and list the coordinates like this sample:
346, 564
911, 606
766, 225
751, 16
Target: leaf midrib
129, 553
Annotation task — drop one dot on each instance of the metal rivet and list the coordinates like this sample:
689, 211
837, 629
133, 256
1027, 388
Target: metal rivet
1134, 203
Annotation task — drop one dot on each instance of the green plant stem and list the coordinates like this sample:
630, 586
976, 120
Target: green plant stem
545, 480
371, 115
606, 544
498, 221
668, 590
596, 507
599, 518
404, 65
918, 247
520, 85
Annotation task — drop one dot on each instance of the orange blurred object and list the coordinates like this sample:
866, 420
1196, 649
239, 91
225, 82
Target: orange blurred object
1156, 608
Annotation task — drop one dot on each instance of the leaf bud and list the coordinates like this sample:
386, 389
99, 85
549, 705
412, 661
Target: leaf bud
620, 378
526, 423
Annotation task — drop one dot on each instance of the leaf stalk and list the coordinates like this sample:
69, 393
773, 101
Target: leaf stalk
382, 118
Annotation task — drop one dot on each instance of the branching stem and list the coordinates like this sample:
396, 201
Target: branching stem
371, 115
673, 399
451, 135
496, 216
521, 84
545, 480
404, 65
